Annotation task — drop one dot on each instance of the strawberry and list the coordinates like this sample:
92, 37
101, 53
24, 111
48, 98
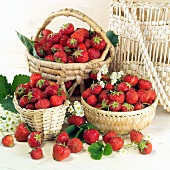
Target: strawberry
53, 37
34, 95
136, 136
75, 145
68, 84
126, 107
35, 139
87, 43
77, 35
67, 28
123, 86
95, 89
83, 31
116, 143
40, 51
104, 95
80, 56
109, 86
42, 84
63, 39
92, 100
70, 59
41, 40
57, 47
56, 100
49, 58
23, 101
62, 93
34, 78
145, 147
30, 106
51, 90
98, 42
46, 32
36, 153
60, 152
81, 46
94, 53
22, 89
60, 57
115, 106
22, 132
138, 106
144, 84
47, 47
98, 106
91, 136
8, 141
117, 96
131, 96
67, 50
63, 137
72, 43
76, 120
152, 94
108, 136
143, 96
42, 104
93, 74
86, 93
131, 79
106, 77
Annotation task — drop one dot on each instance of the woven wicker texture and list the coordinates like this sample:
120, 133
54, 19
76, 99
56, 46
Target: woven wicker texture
47, 121
71, 71
144, 42
120, 122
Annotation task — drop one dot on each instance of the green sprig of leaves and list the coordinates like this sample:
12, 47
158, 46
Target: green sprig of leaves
112, 37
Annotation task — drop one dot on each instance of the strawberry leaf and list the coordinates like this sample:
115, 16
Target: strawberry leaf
112, 37
88, 126
107, 150
72, 130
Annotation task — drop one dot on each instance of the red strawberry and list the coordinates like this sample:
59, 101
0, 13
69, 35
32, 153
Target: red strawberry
30, 106
51, 90
60, 57
98, 106
106, 77
36, 153
94, 53
42, 104
91, 136
63, 137
144, 84
96, 89
116, 143
123, 86
145, 147
131, 79
57, 47
83, 31
22, 132
98, 42
76, 35
46, 32
136, 136
131, 96
126, 107
143, 96
93, 74
49, 58
70, 59
67, 28
115, 106
34, 78
81, 46
42, 84
117, 96
80, 56
47, 47
62, 93
87, 43
108, 136
60, 152
35, 139
41, 40
22, 89
138, 106
53, 37
56, 100
86, 93
104, 95
152, 94
109, 86
68, 84
76, 120
40, 51
8, 141
72, 43
34, 95
63, 39
92, 100
75, 145
67, 50
23, 101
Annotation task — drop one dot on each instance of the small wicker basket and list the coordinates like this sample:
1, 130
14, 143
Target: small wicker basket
119, 122
47, 121
71, 71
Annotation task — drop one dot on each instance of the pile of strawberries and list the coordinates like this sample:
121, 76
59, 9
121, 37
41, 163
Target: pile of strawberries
40, 93
127, 94
69, 45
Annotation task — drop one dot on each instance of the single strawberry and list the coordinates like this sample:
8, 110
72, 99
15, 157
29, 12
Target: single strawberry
72, 43
131, 79
94, 53
143, 96
136, 136
22, 132
145, 147
63, 39
75, 145
98, 42
92, 100
81, 46
93, 74
144, 84
138, 106
126, 107
80, 56
34, 78
56, 100
35, 139
46, 32
98, 106
103, 95
34, 95
62, 137
108, 136
131, 96
8, 141
40, 51
152, 94
86, 93
115, 106
91, 136
51, 89
83, 31
42, 84
22, 89
109, 86
49, 58
30, 106
67, 28
117, 143
78, 36
70, 59
23, 101
47, 47
60, 57
76, 120
57, 47
60, 152
68, 84
42, 104
36, 153
123, 86
87, 43
96, 89
41, 40
117, 96
53, 37
62, 93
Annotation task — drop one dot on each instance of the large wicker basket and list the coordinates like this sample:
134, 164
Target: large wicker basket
71, 71
144, 42
47, 121
120, 122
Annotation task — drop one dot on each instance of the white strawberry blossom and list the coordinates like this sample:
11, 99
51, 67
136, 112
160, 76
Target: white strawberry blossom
102, 84
148, 137
104, 69
70, 109
123, 151
99, 76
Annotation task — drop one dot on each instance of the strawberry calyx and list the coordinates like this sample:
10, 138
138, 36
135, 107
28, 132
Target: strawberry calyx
64, 26
114, 104
78, 53
97, 39
142, 145
116, 92
40, 83
38, 138
128, 106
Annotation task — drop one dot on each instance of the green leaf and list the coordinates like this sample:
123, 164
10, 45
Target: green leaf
107, 150
8, 104
19, 79
72, 130
88, 126
5, 87
79, 135
96, 150
112, 37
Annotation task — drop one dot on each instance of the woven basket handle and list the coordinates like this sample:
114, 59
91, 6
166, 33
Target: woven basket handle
152, 74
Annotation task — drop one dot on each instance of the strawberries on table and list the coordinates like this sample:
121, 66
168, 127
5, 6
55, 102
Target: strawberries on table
36, 153
35, 139
8, 141
136, 136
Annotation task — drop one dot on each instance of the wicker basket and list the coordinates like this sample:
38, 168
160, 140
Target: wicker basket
71, 71
47, 121
120, 122
144, 42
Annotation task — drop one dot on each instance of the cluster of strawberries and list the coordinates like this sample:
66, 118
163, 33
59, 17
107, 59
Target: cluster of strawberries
40, 93
69, 45
127, 94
